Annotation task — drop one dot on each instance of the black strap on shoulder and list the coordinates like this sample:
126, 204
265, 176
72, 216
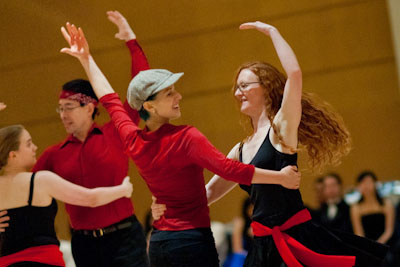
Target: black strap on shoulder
240, 150
31, 189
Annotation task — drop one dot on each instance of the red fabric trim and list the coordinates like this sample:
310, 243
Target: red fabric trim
48, 254
291, 250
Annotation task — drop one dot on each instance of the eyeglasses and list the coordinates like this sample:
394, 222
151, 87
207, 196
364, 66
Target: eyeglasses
243, 86
59, 110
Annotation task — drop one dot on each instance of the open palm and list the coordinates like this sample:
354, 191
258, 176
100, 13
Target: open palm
78, 46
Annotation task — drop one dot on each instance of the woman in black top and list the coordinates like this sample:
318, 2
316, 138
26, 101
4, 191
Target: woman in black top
372, 217
283, 118
29, 199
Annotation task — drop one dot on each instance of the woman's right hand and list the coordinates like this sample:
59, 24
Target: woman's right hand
290, 177
157, 210
128, 187
2, 106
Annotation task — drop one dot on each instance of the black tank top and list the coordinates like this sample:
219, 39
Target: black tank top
30, 226
273, 204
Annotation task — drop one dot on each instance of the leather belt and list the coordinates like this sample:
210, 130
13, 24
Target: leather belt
107, 230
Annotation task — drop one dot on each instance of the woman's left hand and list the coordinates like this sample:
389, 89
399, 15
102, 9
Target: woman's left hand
75, 37
2, 106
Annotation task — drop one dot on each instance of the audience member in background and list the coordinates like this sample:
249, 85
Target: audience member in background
334, 212
242, 236
372, 216
319, 197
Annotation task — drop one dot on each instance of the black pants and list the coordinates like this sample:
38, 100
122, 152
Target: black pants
189, 248
125, 247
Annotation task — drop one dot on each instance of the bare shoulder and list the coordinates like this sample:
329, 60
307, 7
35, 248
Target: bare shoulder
45, 175
387, 203
234, 153
355, 208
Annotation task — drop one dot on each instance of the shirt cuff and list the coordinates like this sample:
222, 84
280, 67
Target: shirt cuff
108, 97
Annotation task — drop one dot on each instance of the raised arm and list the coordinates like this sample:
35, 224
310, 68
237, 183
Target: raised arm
79, 48
289, 116
138, 58
74, 194
125, 33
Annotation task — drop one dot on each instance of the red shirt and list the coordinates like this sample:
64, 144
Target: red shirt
98, 161
171, 161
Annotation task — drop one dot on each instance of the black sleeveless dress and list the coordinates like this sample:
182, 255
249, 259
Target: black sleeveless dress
29, 226
274, 205
373, 224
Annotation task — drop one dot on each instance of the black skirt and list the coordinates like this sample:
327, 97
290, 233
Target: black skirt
321, 240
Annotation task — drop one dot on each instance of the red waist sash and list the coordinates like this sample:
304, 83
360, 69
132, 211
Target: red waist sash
291, 250
48, 254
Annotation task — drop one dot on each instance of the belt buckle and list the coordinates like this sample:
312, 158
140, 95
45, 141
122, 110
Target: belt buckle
101, 233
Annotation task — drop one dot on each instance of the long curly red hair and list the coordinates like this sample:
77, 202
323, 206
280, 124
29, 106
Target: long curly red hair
321, 132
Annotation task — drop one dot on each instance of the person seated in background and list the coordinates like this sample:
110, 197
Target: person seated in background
372, 216
334, 212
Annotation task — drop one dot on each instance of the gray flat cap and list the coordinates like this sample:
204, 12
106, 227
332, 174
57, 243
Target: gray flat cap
147, 83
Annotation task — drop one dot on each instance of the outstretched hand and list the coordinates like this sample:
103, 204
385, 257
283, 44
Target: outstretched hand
75, 37
258, 25
2, 106
125, 32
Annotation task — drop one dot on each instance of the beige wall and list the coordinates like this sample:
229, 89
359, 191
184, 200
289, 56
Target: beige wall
344, 48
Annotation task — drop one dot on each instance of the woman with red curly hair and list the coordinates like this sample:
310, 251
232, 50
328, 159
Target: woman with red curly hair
283, 119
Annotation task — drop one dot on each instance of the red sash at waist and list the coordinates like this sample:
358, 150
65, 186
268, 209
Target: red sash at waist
293, 251
48, 254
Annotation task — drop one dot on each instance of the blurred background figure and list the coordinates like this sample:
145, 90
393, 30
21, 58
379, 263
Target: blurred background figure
242, 236
372, 217
334, 212
319, 197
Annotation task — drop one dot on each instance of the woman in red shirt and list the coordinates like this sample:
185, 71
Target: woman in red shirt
171, 160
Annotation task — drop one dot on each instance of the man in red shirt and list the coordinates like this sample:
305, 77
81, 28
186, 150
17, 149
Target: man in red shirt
93, 156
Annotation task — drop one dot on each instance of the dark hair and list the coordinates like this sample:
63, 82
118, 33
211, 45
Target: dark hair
9, 141
84, 87
335, 176
364, 175
319, 180
144, 114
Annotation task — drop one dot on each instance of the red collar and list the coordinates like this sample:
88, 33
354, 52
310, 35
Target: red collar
94, 129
